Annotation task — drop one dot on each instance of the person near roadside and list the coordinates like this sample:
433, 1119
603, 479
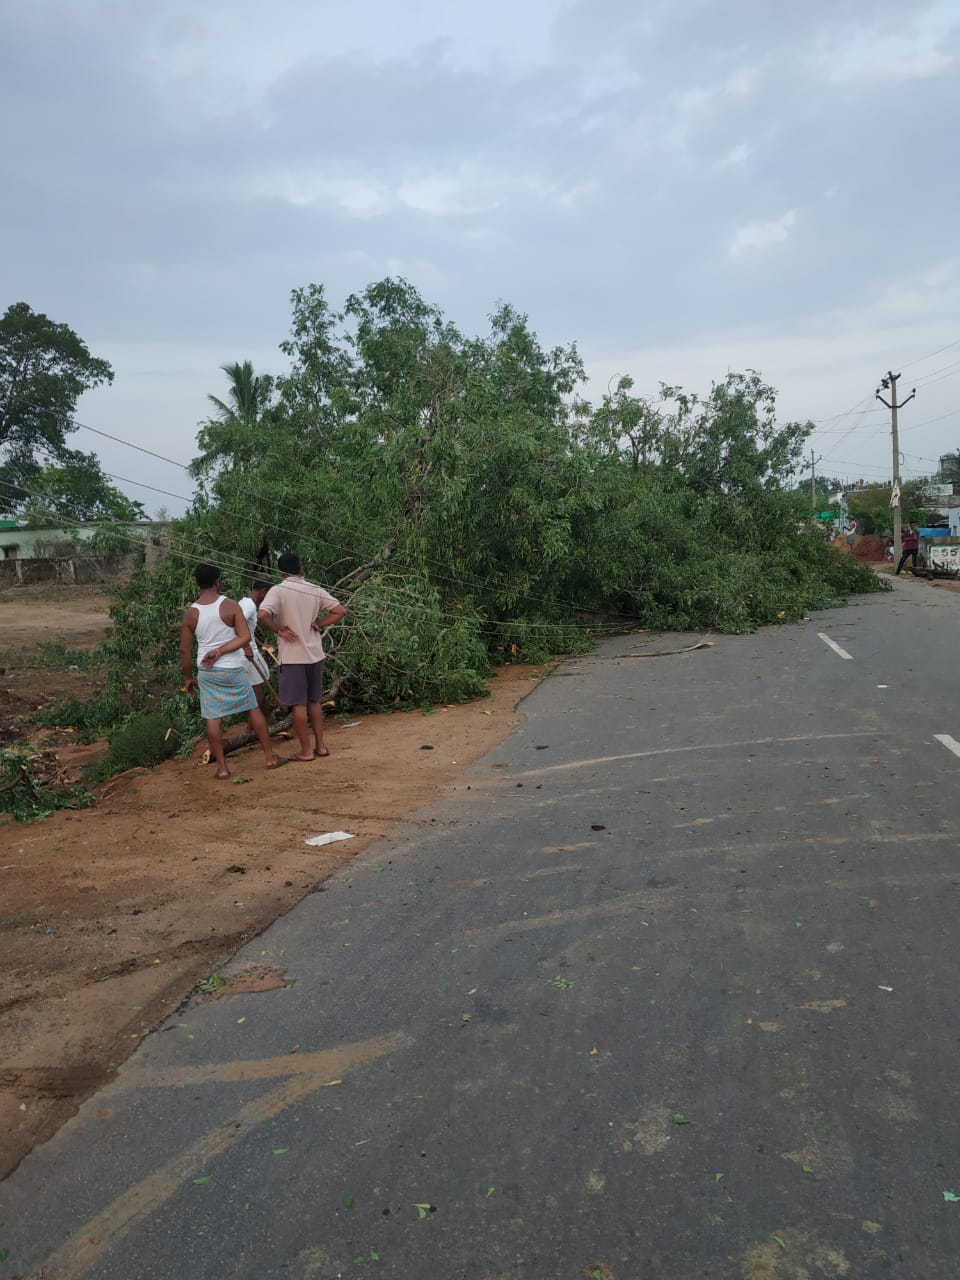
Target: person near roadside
254, 663
221, 632
909, 546
298, 611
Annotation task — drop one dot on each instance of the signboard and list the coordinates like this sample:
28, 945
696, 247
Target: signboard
938, 490
943, 557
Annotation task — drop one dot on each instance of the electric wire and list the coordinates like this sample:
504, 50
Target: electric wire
482, 583
197, 552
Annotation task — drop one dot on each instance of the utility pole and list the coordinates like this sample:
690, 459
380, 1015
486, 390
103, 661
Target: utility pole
813, 481
889, 383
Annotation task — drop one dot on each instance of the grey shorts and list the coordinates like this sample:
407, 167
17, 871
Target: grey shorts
300, 683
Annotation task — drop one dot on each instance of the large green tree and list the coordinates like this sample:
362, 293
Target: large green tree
76, 491
44, 369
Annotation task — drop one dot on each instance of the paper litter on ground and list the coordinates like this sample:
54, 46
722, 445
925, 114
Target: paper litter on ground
329, 837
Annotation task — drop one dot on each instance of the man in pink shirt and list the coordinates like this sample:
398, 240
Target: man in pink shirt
298, 610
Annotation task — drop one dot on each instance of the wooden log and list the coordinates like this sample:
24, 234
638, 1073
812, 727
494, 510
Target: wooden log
248, 737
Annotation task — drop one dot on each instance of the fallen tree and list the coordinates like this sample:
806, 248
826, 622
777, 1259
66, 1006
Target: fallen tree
470, 508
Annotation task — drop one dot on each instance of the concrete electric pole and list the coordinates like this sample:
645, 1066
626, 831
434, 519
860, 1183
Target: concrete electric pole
813, 481
889, 383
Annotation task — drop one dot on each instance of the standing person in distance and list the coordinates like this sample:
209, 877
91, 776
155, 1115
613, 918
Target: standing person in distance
254, 663
909, 545
298, 610
221, 632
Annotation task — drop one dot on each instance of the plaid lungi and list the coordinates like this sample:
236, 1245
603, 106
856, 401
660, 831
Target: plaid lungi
224, 692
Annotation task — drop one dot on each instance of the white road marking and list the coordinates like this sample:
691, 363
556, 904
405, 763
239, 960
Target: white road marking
950, 743
832, 644
699, 746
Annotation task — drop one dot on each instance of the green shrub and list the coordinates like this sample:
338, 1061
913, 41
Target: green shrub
61, 658
143, 741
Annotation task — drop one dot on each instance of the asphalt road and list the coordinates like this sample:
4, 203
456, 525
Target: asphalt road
666, 988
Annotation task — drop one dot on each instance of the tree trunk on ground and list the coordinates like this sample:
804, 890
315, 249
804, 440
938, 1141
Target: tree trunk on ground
247, 738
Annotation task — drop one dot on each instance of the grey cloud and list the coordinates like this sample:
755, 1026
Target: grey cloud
172, 187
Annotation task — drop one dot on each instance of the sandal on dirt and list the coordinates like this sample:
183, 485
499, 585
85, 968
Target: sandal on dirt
321, 755
278, 762
299, 759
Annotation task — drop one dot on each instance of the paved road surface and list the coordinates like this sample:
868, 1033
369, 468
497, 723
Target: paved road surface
667, 988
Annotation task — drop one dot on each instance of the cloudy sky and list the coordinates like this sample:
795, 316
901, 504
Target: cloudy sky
680, 186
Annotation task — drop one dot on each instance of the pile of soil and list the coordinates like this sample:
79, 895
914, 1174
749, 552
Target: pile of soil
866, 548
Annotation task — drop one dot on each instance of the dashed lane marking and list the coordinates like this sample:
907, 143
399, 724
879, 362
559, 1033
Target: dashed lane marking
832, 644
950, 743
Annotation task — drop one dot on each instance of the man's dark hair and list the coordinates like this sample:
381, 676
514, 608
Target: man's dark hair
289, 562
206, 575
261, 584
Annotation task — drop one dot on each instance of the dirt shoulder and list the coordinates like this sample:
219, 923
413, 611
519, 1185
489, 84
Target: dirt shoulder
30, 619
110, 916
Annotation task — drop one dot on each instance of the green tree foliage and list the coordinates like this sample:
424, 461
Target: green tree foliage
871, 508
44, 369
29, 789
469, 507
75, 491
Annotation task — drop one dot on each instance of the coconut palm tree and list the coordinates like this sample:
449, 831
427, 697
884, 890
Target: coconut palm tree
233, 433
248, 396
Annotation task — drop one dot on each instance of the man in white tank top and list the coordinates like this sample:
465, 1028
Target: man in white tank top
254, 663
221, 632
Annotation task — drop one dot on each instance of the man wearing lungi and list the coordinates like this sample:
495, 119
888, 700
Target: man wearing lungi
221, 632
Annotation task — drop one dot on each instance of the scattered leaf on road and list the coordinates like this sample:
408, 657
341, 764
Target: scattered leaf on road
466, 1017
680, 1118
951, 1198
779, 1241
198, 1182
423, 1209
348, 1202
490, 1191
280, 1151
718, 1177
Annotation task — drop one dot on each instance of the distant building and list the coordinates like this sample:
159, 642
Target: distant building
17, 542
